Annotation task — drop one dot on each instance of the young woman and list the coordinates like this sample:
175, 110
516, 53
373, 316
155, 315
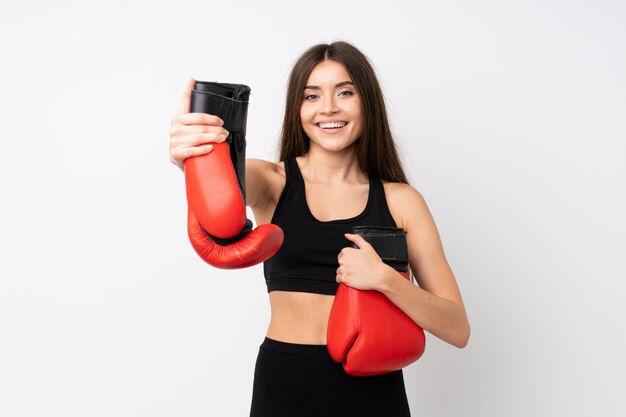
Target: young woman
338, 169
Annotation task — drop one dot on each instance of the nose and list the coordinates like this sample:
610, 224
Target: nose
329, 106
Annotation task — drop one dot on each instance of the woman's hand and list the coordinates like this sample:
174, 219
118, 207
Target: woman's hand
362, 268
192, 134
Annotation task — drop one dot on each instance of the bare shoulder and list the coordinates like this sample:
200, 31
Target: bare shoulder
426, 255
406, 204
273, 172
262, 166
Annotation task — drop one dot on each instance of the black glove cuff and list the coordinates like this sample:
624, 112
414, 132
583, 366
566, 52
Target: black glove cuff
230, 103
247, 228
227, 101
389, 243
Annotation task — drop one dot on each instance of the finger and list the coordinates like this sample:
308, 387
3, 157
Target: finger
197, 119
180, 155
342, 254
178, 131
357, 240
184, 104
191, 141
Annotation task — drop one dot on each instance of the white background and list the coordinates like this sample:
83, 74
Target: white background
511, 118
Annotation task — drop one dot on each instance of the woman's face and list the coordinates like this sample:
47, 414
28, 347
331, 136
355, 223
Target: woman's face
331, 111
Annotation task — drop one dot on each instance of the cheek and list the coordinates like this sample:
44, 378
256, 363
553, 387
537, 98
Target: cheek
359, 127
306, 112
357, 114
361, 123
306, 119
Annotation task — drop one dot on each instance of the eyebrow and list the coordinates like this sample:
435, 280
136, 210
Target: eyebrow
338, 85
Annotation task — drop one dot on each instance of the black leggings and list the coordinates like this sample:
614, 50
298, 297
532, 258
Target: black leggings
293, 380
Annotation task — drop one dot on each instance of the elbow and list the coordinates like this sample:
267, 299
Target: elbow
463, 337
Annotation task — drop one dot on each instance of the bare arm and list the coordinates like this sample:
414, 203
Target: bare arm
258, 174
436, 304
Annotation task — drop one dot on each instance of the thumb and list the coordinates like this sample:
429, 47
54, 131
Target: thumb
357, 240
184, 104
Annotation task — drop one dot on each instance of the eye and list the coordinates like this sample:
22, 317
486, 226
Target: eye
310, 97
346, 93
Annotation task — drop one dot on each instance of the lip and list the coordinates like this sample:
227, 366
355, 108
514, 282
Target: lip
331, 121
331, 130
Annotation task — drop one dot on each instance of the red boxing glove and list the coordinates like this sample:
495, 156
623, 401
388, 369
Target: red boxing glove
366, 332
217, 225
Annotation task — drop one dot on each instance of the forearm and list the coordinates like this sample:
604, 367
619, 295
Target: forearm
441, 317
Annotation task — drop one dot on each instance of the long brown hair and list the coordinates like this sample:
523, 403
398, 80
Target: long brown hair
376, 150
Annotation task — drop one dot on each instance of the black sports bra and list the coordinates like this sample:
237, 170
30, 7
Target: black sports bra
307, 260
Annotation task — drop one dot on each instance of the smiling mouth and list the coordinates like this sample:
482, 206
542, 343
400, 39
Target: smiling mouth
332, 125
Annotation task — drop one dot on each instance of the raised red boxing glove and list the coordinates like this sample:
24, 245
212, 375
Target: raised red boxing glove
366, 332
217, 225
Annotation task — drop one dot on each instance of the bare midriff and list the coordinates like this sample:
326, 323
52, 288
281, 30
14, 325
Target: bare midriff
299, 317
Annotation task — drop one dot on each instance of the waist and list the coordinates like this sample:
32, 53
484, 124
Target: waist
295, 348
299, 317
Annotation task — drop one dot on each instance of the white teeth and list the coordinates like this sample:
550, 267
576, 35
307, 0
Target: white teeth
333, 125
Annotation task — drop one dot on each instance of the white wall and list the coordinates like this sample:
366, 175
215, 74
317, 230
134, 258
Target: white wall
511, 118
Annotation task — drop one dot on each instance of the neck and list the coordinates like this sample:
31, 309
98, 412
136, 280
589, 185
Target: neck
332, 167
